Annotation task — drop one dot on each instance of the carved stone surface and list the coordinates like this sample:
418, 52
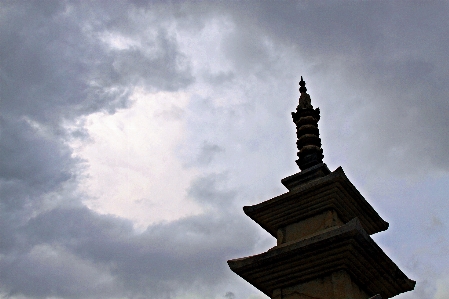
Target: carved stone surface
309, 227
337, 285
347, 248
313, 196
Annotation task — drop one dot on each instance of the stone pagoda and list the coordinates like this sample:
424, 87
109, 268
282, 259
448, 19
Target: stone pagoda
322, 226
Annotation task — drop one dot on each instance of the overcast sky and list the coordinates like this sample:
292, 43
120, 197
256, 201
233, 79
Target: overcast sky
132, 133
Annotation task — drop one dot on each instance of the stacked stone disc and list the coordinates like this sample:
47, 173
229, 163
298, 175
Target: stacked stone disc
306, 119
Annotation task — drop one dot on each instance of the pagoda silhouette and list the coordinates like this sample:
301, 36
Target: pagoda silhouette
322, 226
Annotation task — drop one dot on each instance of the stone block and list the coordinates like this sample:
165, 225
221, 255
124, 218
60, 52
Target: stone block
309, 227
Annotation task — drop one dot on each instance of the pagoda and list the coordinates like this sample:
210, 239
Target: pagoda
322, 226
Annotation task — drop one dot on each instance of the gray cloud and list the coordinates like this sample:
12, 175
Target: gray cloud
54, 68
390, 54
208, 152
69, 251
377, 70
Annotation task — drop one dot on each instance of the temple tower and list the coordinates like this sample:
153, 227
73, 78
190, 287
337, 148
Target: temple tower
322, 226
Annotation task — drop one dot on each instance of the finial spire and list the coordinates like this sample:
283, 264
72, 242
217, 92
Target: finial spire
303, 88
306, 119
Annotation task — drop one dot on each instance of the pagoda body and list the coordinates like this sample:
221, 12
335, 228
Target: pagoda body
323, 227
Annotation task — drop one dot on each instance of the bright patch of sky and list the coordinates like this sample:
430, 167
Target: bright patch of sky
133, 169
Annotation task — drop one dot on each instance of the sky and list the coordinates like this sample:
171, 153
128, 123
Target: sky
133, 132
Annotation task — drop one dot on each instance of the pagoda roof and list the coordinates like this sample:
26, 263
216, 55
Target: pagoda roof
347, 247
304, 200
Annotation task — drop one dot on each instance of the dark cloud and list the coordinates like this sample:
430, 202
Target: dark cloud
54, 68
70, 251
392, 55
32, 159
168, 69
208, 152
382, 88
55, 65
219, 78
207, 190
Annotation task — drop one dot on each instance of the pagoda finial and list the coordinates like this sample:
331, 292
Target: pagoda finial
306, 119
304, 99
303, 88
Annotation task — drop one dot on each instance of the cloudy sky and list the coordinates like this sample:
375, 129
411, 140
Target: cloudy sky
132, 133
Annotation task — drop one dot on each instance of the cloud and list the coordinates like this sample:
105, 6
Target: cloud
208, 151
368, 51
101, 255
159, 107
132, 169
442, 288
54, 69
30, 159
